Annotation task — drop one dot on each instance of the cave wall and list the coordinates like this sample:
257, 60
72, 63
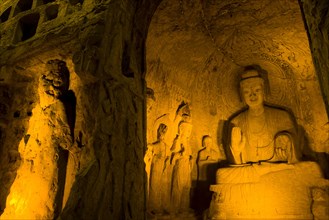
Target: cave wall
101, 43
195, 51
111, 180
317, 22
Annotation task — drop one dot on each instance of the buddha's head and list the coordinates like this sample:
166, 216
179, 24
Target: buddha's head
55, 79
252, 87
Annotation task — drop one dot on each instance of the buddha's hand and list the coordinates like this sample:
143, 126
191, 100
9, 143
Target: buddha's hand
238, 141
282, 147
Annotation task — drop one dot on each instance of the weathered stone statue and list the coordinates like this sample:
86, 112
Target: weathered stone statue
53, 93
261, 132
45, 153
266, 178
207, 164
206, 156
181, 176
157, 156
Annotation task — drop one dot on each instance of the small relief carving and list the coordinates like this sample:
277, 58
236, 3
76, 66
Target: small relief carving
157, 161
206, 156
87, 60
169, 164
207, 164
182, 161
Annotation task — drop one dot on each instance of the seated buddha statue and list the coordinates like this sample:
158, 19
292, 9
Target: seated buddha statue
261, 132
266, 176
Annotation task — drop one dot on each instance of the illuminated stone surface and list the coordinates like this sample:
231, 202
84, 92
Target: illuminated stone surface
102, 43
261, 132
103, 49
264, 142
195, 52
266, 191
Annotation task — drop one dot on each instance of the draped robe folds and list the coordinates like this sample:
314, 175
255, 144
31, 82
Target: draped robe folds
158, 184
260, 145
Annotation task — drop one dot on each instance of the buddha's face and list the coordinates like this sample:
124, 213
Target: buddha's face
252, 91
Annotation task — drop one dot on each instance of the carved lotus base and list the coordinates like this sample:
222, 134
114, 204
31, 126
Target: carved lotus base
266, 191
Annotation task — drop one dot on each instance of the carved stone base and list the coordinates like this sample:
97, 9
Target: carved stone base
266, 191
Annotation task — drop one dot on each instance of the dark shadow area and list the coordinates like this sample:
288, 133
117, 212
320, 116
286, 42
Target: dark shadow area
23, 5
69, 100
62, 161
202, 195
26, 27
5, 15
51, 12
125, 64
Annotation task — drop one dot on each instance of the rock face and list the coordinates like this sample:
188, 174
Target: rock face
195, 52
317, 20
102, 43
100, 174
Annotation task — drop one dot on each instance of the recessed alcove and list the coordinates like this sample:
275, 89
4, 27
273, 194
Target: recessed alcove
74, 2
5, 15
26, 27
51, 12
195, 53
23, 5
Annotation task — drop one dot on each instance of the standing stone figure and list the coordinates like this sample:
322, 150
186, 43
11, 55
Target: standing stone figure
261, 132
37, 192
158, 156
54, 85
181, 177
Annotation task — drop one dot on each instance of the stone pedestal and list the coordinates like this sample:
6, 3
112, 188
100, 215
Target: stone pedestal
265, 191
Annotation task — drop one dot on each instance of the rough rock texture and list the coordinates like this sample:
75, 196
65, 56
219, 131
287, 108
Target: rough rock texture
103, 44
17, 101
316, 13
196, 49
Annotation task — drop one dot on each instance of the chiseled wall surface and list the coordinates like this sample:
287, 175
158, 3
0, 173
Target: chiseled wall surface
102, 45
317, 18
195, 51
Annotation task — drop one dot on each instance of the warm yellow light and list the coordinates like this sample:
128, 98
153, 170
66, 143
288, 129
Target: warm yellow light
33, 191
